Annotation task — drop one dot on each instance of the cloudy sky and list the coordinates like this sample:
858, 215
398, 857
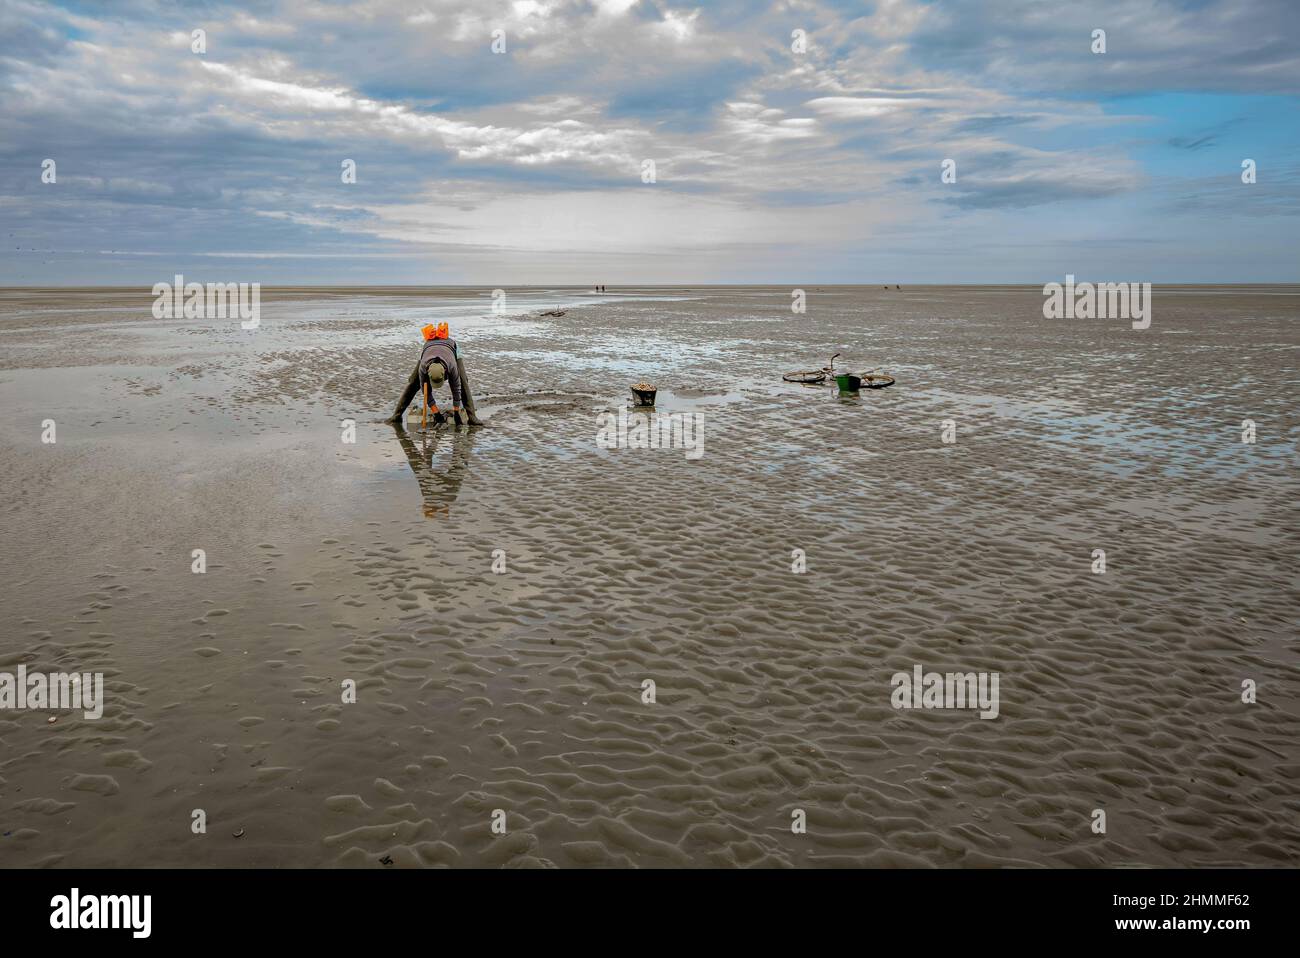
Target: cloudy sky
771, 165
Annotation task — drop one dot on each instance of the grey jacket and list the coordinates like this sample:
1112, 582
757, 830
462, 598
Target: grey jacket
442, 351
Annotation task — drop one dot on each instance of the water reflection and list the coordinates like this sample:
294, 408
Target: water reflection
440, 483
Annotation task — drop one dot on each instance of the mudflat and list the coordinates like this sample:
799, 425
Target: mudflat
500, 599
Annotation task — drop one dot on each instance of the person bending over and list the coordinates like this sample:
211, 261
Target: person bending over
439, 361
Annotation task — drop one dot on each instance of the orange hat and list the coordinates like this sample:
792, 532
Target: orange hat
435, 332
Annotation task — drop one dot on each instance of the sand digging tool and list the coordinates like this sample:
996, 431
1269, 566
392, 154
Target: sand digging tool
426, 405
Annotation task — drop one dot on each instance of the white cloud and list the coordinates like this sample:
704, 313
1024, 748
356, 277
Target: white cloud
289, 106
753, 121
854, 107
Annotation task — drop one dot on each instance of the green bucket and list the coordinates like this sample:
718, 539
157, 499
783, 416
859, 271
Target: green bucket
848, 382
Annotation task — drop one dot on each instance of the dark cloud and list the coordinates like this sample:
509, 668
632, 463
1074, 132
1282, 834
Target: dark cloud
1243, 46
989, 124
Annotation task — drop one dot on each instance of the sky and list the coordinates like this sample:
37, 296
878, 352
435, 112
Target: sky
792, 143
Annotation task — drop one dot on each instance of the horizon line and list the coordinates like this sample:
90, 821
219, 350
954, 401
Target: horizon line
638, 286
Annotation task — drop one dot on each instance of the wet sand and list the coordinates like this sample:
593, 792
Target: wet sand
329, 561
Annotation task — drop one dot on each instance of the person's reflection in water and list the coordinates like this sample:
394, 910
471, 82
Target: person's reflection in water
438, 486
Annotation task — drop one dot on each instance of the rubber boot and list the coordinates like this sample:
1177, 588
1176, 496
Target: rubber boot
410, 392
467, 396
